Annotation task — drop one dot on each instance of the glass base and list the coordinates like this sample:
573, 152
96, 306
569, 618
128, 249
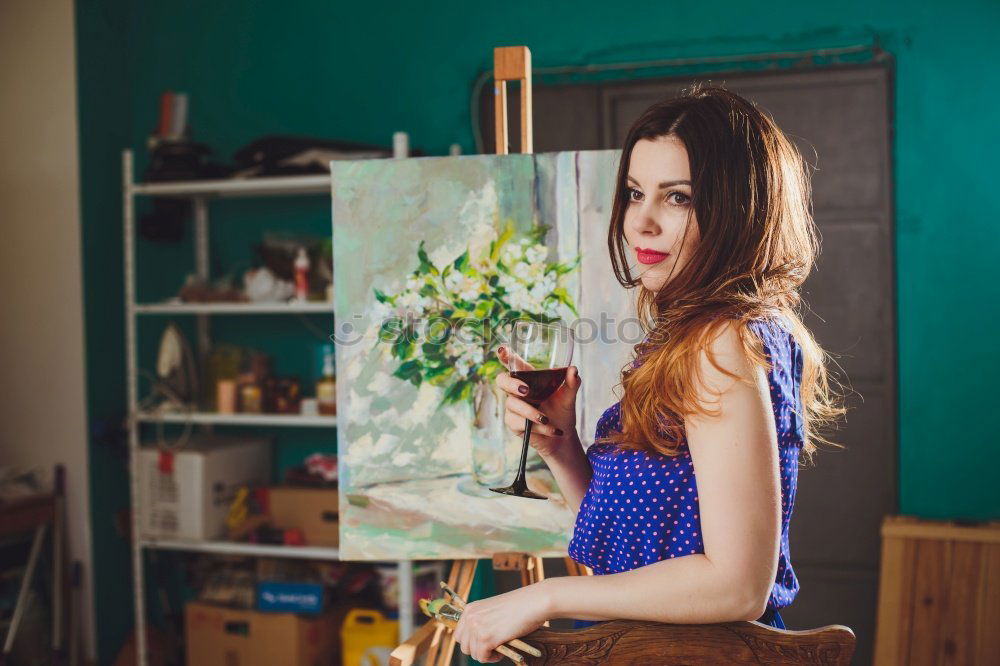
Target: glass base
519, 492
468, 486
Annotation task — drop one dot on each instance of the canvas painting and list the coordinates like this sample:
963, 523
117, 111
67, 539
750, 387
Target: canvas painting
432, 256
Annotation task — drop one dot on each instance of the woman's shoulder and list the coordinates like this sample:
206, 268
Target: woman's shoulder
772, 323
776, 332
785, 356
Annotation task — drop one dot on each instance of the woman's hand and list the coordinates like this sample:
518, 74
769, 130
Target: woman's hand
554, 421
491, 622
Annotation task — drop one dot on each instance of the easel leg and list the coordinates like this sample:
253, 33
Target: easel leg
531, 567
460, 580
574, 568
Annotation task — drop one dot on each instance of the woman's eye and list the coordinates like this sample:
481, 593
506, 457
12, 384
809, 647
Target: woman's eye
634, 194
683, 199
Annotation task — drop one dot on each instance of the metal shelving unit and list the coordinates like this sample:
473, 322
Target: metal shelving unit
211, 418
234, 548
171, 308
201, 193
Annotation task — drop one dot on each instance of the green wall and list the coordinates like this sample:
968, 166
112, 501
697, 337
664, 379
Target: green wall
363, 70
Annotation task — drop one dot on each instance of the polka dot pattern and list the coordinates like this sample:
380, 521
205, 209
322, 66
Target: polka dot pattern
643, 507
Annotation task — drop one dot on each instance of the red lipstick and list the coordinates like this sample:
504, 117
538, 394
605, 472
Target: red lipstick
650, 256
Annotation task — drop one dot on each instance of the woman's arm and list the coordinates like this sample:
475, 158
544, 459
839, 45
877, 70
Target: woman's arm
735, 455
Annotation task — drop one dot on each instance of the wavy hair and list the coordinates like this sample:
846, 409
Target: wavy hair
751, 195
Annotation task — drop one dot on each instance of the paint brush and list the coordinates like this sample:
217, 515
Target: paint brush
515, 642
502, 649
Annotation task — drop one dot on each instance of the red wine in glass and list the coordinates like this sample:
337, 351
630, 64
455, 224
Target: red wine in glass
541, 354
541, 383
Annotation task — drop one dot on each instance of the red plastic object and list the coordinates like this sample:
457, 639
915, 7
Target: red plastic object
166, 462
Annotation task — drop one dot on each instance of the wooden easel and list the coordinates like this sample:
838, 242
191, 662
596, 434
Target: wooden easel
510, 63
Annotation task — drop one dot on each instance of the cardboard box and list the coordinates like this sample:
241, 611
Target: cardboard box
185, 494
315, 511
217, 636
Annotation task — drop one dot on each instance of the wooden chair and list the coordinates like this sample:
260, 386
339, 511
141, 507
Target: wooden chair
625, 642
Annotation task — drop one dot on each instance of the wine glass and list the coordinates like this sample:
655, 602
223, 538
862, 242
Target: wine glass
539, 356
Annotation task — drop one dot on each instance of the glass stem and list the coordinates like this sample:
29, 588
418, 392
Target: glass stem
519, 481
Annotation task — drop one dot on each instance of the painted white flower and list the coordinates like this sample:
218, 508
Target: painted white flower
536, 272
476, 215
539, 292
483, 233
414, 283
381, 311
481, 262
454, 281
472, 287
522, 271
544, 286
536, 253
508, 282
521, 299
411, 301
516, 293
453, 348
510, 254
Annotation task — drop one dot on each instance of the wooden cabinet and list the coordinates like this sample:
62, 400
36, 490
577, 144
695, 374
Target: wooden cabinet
939, 595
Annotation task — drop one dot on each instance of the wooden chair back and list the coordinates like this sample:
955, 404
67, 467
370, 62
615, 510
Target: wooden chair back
625, 642
630, 643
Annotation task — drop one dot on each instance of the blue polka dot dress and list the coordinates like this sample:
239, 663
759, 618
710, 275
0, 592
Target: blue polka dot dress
643, 507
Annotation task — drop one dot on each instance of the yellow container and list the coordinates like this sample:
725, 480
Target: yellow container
367, 637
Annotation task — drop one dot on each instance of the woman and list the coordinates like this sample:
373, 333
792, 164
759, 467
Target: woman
712, 212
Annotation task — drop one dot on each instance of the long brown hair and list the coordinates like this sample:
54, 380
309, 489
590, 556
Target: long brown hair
751, 196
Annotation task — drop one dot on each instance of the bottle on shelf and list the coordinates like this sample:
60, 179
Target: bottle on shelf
302, 276
253, 384
226, 398
251, 394
326, 387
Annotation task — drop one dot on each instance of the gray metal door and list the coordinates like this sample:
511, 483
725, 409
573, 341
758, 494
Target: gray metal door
840, 119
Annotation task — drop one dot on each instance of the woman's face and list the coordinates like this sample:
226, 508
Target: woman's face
659, 210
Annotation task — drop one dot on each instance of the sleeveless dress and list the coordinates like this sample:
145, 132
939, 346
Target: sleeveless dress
643, 507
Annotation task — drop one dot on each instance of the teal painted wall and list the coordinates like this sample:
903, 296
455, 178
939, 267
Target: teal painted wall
363, 70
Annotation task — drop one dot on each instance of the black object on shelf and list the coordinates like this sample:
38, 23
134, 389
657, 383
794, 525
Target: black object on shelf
282, 155
165, 222
183, 160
